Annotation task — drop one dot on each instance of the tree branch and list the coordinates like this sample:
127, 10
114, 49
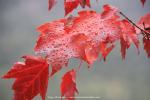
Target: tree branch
142, 30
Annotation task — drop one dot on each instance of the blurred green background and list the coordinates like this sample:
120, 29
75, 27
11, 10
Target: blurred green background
111, 80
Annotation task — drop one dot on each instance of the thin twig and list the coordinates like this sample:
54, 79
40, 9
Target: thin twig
143, 31
147, 28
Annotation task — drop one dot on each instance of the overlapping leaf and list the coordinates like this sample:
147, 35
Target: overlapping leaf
31, 78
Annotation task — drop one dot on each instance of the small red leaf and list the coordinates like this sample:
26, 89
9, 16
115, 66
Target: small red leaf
68, 85
70, 5
143, 2
86, 36
31, 78
51, 3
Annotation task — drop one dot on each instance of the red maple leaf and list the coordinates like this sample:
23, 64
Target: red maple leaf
70, 5
68, 85
31, 78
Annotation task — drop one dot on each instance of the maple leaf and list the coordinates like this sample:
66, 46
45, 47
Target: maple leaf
31, 78
143, 2
51, 3
70, 5
68, 85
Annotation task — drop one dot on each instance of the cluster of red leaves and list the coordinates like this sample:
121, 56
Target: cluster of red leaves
70, 5
85, 36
